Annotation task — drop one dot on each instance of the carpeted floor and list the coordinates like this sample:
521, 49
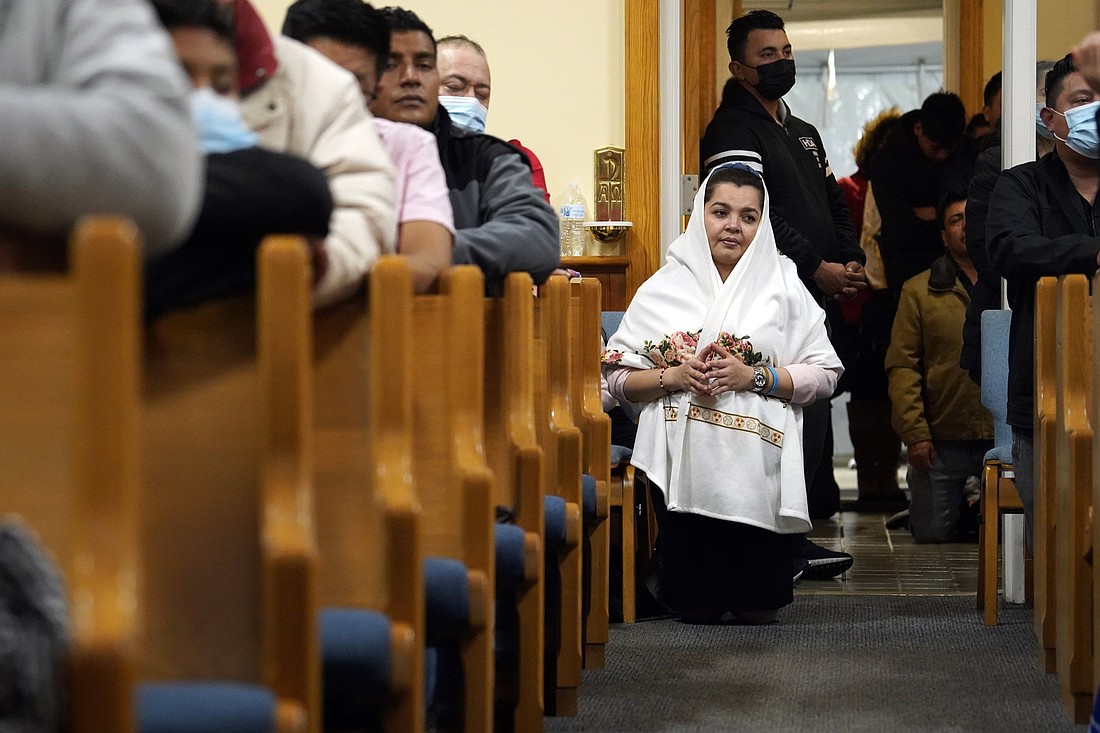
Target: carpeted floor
832, 663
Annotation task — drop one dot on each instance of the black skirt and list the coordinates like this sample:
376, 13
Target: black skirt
711, 566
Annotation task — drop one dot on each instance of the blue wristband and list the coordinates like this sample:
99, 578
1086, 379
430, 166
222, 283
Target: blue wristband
775, 381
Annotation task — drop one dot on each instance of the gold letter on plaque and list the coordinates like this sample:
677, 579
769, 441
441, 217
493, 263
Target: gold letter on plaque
610, 205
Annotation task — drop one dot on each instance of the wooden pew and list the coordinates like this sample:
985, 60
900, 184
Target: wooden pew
69, 461
1044, 522
560, 441
1092, 532
513, 454
453, 484
595, 427
226, 516
367, 509
1074, 436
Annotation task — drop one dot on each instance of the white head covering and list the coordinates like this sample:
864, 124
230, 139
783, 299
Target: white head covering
737, 456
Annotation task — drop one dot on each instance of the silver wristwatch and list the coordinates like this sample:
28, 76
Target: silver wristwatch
759, 379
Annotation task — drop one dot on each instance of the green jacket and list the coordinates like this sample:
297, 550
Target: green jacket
932, 397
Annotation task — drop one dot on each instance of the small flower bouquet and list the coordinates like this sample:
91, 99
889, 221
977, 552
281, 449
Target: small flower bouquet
674, 349
741, 346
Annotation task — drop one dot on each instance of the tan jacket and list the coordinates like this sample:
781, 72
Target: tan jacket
313, 108
932, 397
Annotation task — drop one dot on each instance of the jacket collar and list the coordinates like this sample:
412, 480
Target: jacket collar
735, 95
442, 127
944, 274
1067, 198
255, 49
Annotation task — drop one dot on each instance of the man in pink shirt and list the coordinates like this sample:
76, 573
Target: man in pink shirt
356, 37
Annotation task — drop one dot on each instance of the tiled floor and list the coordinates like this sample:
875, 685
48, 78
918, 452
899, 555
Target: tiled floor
888, 561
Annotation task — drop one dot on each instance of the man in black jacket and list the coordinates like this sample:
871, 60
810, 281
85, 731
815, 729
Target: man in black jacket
1043, 221
906, 178
811, 221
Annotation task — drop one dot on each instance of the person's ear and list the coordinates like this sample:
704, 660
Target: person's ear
918, 129
1047, 115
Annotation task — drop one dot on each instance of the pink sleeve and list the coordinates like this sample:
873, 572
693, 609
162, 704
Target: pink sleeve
426, 194
811, 383
616, 381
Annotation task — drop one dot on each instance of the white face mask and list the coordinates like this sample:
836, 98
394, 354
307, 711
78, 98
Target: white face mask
1082, 137
465, 112
219, 122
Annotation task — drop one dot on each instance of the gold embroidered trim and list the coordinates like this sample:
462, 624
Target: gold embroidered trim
730, 421
671, 413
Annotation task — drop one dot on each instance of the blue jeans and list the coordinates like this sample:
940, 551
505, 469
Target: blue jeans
1023, 463
937, 495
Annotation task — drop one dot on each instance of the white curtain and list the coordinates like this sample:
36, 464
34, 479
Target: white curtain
858, 95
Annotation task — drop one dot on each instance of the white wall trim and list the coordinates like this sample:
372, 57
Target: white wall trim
670, 117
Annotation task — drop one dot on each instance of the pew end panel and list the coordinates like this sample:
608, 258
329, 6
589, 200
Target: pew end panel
1045, 519
1074, 438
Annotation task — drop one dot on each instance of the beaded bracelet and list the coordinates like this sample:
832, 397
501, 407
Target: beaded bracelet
775, 381
661, 381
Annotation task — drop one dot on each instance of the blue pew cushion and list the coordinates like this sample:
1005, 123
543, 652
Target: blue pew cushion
356, 660
511, 556
447, 599
588, 496
554, 523
205, 707
620, 454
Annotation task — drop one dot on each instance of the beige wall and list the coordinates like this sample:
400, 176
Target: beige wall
1060, 26
557, 85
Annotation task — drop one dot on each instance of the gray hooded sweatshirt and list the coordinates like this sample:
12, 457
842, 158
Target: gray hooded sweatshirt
94, 118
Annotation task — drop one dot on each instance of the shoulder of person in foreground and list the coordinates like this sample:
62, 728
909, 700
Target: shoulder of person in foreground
330, 126
519, 230
94, 117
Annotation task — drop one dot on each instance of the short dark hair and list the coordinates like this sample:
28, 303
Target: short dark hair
943, 118
194, 14
977, 122
739, 29
991, 88
948, 198
348, 21
1056, 78
405, 21
460, 40
737, 175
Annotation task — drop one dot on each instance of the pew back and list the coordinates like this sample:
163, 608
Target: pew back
69, 461
226, 520
367, 510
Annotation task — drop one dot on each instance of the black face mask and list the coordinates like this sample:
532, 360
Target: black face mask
776, 78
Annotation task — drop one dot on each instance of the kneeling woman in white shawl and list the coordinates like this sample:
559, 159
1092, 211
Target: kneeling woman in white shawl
722, 346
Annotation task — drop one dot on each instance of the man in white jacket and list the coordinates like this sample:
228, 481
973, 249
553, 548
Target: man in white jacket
93, 119
299, 102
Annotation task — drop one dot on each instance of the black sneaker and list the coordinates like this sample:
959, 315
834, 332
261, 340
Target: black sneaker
800, 565
823, 563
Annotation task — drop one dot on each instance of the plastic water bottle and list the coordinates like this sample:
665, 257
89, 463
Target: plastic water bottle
572, 223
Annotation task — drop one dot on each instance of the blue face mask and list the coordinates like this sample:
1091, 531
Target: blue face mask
219, 122
466, 112
1082, 137
1040, 126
